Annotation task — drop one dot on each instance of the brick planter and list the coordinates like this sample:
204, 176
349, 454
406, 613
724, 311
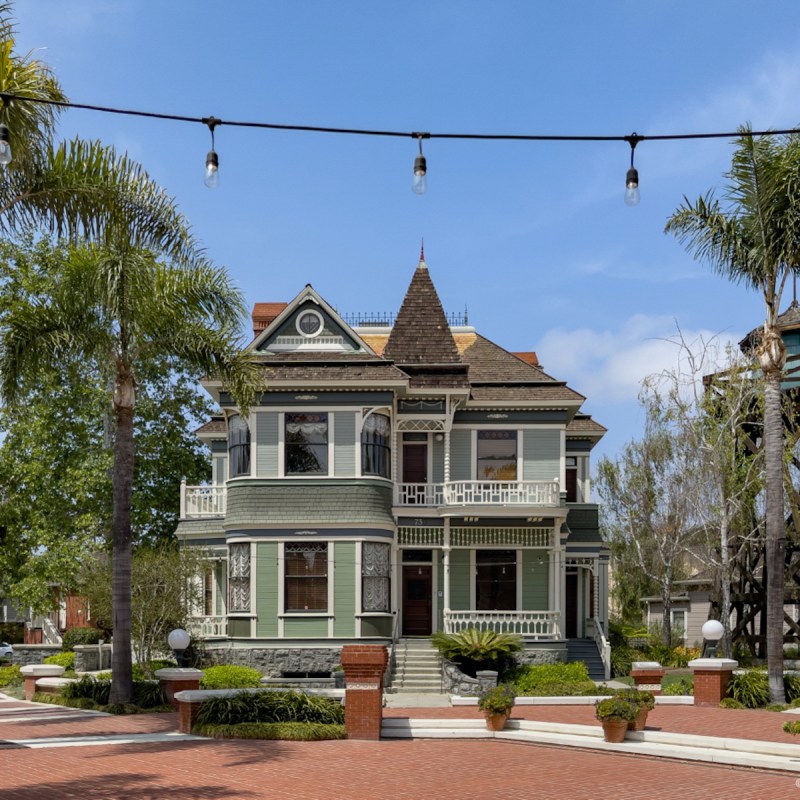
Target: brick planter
32, 672
647, 675
364, 667
711, 678
178, 680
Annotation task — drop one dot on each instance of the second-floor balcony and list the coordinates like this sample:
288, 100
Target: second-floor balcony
200, 502
479, 493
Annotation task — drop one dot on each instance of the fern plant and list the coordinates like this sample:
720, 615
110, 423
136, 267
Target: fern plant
477, 645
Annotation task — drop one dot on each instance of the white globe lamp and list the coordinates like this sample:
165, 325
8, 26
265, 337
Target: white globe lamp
712, 632
179, 640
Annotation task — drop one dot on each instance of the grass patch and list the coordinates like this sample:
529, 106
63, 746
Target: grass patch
288, 731
87, 704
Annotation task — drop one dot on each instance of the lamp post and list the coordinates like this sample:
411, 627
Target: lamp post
712, 633
179, 640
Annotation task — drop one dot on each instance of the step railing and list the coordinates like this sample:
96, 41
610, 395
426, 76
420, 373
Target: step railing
603, 647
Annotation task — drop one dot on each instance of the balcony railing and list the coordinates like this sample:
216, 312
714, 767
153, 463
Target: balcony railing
479, 493
208, 627
202, 501
538, 625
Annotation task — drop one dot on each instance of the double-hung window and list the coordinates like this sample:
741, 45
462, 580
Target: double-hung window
306, 576
239, 577
306, 444
375, 446
497, 455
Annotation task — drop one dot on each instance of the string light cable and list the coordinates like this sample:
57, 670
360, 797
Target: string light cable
420, 164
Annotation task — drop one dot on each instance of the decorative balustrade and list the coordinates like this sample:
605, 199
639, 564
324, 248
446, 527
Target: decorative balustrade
202, 501
537, 625
603, 647
479, 493
419, 494
208, 627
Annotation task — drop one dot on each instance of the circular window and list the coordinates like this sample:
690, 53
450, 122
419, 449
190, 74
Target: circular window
309, 323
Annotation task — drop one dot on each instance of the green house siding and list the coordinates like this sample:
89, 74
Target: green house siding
267, 444
535, 580
239, 628
376, 626
267, 589
344, 589
344, 444
541, 454
437, 459
461, 455
460, 580
310, 627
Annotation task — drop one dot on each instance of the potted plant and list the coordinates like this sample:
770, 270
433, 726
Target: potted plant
614, 714
645, 701
496, 704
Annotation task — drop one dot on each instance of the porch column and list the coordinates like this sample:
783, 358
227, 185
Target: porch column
395, 477
446, 567
596, 592
447, 457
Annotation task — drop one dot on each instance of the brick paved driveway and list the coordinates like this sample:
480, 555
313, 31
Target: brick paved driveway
351, 769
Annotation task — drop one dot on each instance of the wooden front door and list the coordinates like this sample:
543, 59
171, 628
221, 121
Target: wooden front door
415, 463
571, 602
417, 600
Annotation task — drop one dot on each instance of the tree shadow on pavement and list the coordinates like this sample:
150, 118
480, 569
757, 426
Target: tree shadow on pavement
121, 787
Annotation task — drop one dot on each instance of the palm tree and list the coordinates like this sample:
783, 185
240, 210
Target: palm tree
754, 239
116, 306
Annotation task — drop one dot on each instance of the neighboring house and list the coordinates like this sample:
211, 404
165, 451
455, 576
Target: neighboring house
394, 480
690, 610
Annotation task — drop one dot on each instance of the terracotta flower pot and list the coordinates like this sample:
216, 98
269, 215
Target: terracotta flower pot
640, 721
496, 722
614, 729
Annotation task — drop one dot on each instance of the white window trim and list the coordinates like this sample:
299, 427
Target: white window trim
313, 312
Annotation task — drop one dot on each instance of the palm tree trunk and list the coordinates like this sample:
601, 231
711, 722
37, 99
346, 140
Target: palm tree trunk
775, 531
121, 556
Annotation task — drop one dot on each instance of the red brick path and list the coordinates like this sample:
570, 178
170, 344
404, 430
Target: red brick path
361, 770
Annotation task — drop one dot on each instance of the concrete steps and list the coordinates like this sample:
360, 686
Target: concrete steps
417, 668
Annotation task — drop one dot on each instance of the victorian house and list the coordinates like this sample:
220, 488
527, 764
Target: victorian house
394, 480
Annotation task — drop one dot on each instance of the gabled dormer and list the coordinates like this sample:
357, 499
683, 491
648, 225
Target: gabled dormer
309, 325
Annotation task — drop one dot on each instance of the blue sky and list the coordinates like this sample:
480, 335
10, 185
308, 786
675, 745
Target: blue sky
533, 238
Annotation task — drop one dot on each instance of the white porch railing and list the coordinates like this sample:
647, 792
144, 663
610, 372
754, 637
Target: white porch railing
202, 501
208, 627
418, 494
603, 647
539, 625
50, 634
479, 493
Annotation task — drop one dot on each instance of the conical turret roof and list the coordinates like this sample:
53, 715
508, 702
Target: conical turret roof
421, 334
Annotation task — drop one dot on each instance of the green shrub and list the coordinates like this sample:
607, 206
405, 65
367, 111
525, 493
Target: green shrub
65, 659
146, 694
497, 699
682, 687
729, 702
551, 680
290, 731
11, 676
750, 688
12, 632
474, 649
230, 677
622, 656
679, 657
776, 707
61, 700
270, 706
141, 672
791, 685
792, 727
81, 636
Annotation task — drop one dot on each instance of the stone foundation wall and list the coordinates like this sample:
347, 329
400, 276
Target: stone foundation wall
88, 659
273, 662
542, 656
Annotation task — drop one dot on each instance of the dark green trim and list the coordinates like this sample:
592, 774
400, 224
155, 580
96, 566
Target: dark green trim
301, 533
509, 417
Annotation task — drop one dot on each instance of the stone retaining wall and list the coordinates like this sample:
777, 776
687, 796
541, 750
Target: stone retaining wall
25, 654
88, 659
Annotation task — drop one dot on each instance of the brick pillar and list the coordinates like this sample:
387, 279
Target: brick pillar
711, 678
187, 715
30, 686
364, 666
647, 676
177, 680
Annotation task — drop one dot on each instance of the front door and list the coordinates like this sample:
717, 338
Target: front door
415, 463
571, 601
417, 600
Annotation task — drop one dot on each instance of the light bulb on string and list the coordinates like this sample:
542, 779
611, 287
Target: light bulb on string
632, 197
211, 177
420, 182
5, 145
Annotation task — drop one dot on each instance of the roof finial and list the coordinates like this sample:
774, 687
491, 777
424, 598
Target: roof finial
422, 254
